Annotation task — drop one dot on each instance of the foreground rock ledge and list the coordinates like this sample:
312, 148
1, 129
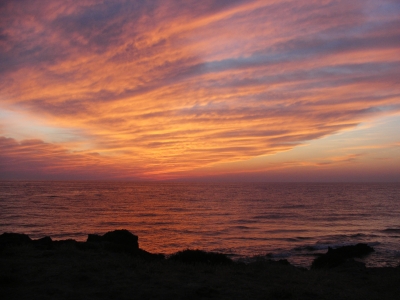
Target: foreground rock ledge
46, 269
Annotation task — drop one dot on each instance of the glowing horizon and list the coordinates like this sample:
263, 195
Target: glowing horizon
210, 90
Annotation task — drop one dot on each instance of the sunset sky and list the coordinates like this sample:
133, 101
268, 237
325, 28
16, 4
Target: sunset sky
270, 90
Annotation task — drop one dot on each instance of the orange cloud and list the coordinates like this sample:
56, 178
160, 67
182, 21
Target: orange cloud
161, 87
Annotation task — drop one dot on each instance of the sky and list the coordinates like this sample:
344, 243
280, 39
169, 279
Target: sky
211, 90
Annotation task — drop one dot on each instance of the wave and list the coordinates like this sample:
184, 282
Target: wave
319, 247
109, 223
241, 227
392, 230
284, 215
303, 238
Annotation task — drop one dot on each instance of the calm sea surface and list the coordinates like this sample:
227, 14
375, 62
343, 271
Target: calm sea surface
284, 220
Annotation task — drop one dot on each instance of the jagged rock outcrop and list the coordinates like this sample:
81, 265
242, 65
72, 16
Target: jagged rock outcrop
118, 240
14, 239
199, 256
336, 257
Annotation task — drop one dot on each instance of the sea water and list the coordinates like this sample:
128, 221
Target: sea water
294, 221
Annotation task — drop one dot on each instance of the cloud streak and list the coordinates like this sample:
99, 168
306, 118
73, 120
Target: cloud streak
168, 87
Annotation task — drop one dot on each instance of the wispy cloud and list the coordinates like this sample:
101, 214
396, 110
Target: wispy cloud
162, 87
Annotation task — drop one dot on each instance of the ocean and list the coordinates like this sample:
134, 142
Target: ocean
293, 221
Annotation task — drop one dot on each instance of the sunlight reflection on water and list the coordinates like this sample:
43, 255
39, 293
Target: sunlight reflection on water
292, 221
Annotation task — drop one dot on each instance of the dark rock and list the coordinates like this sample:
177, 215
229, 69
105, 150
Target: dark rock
14, 239
94, 238
284, 262
149, 256
199, 256
44, 243
207, 292
335, 257
119, 237
280, 262
351, 265
280, 292
120, 241
122, 237
7, 281
66, 243
115, 241
358, 250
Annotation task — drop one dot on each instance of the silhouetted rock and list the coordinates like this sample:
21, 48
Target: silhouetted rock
351, 266
28, 273
14, 239
335, 257
70, 243
119, 241
199, 256
149, 256
44, 243
122, 237
284, 262
94, 238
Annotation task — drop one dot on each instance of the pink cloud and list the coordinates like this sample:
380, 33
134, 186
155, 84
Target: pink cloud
166, 87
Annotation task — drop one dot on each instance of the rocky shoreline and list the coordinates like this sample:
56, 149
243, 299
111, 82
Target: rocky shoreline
112, 266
